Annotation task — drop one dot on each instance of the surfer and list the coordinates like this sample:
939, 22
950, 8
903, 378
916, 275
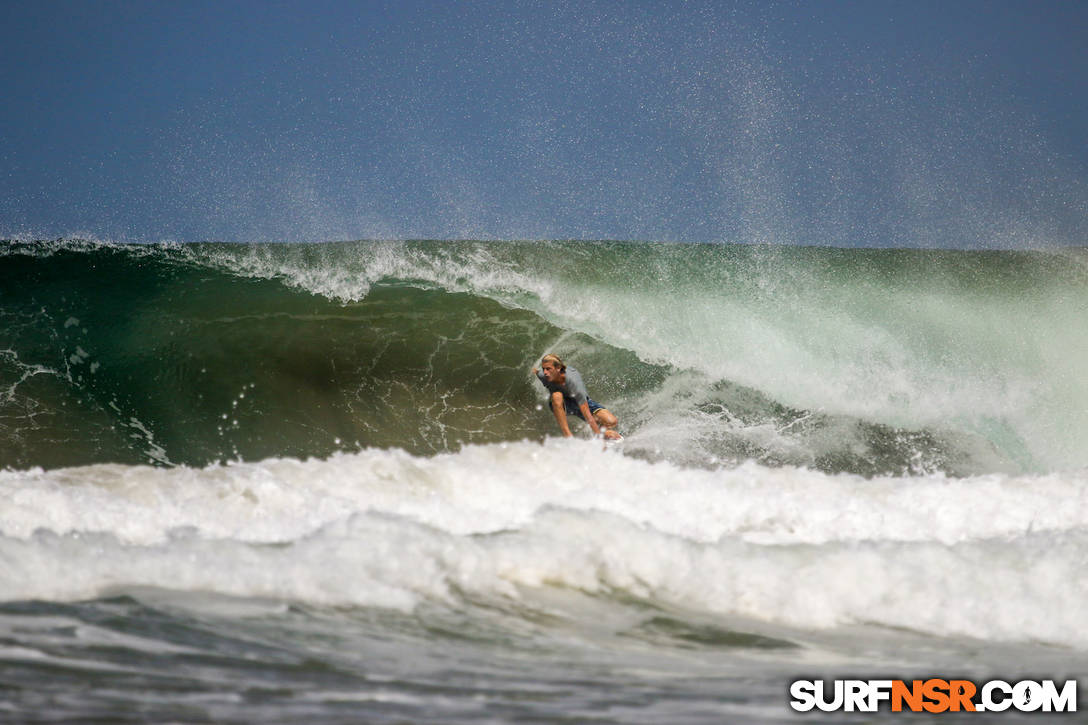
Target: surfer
568, 396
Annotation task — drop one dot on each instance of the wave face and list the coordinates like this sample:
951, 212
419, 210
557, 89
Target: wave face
874, 362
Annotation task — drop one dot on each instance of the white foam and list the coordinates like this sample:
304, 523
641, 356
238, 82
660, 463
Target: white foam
993, 557
484, 489
1026, 589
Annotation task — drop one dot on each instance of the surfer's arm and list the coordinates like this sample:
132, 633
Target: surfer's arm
560, 414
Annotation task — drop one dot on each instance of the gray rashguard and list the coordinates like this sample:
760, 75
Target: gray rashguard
572, 390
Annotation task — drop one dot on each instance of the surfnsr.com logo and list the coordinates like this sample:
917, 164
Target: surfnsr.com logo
933, 695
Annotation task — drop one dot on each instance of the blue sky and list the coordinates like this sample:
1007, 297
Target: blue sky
947, 124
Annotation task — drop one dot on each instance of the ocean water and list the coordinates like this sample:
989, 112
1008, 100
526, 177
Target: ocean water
277, 483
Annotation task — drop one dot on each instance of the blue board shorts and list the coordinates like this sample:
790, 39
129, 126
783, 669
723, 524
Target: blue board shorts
572, 408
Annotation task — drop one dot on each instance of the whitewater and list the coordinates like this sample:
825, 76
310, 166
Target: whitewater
284, 481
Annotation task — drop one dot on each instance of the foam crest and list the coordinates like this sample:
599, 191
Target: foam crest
996, 557
1027, 588
492, 488
346, 272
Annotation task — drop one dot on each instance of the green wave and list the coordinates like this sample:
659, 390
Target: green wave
868, 361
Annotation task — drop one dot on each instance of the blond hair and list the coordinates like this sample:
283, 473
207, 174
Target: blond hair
553, 358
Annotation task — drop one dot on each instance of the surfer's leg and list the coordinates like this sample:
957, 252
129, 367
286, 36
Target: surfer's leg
607, 421
606, 418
